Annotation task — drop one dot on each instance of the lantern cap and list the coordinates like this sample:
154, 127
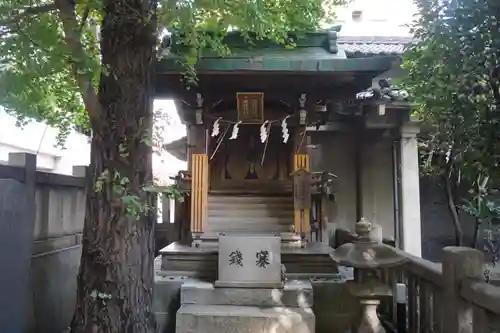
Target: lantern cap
365, 253
363, 228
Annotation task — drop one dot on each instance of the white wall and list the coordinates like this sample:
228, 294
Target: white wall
164, 164
40, 139
379, 18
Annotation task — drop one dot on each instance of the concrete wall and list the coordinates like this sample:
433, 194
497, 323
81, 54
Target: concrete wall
337, 156
58, 217
336, 151
378, 184
59, 207
56, 256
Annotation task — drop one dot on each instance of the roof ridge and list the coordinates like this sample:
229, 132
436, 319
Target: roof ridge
375, 39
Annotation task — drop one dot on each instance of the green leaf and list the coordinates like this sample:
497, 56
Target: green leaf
453, 77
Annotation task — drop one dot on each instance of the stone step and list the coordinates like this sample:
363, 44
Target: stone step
249, 213
254, 212
284, 220
287, 237
253, 199
255, 187
296, 293
243, 319
217, 222
249, 225
250, 206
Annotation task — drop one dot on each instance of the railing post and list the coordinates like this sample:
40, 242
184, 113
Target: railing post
80, 171
460, 264
401, 301
18, 217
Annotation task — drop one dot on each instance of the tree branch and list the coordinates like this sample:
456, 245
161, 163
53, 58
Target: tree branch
29, 11
447, 178
84, 18
72, 36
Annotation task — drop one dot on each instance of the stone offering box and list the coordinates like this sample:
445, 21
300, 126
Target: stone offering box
249, 261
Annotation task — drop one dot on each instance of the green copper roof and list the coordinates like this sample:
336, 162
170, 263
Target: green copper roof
314, 52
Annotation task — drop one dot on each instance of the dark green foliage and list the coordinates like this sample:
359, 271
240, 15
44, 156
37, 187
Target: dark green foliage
454, 76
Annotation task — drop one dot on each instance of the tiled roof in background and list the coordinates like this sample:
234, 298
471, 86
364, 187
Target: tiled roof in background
373, 45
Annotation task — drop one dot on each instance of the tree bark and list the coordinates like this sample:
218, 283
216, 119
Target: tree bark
116, 277
475, 235
453, 210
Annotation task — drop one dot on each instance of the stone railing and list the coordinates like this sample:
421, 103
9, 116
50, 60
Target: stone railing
424, 303
451, 297
178, 228
41, 220
448, 298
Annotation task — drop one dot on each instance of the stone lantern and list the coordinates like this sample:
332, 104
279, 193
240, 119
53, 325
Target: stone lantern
367, 255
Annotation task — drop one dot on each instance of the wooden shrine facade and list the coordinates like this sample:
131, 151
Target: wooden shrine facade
248, 120
247, 146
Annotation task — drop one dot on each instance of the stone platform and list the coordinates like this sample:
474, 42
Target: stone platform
243, 319
295, 293
206, 308
178, 259
250, 294
334, 308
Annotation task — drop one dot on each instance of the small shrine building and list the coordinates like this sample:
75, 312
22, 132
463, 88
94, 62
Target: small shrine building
296, 142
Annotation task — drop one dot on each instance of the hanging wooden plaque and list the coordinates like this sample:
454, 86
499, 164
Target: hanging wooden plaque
250, 106
302, 189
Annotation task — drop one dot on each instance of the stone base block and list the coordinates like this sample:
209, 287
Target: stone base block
295, 293
243, 319
336, 309
165, 322
248, 285
166, 301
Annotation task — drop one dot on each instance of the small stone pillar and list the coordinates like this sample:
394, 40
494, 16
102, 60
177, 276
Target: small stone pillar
459, 264
410, 224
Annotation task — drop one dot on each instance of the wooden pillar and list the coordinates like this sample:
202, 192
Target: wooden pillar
199, 194
199, 183
301, 217
301, 161
191, 145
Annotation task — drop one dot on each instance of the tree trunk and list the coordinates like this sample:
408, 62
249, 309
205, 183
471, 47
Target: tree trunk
475, 236
453, 210
116, 277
